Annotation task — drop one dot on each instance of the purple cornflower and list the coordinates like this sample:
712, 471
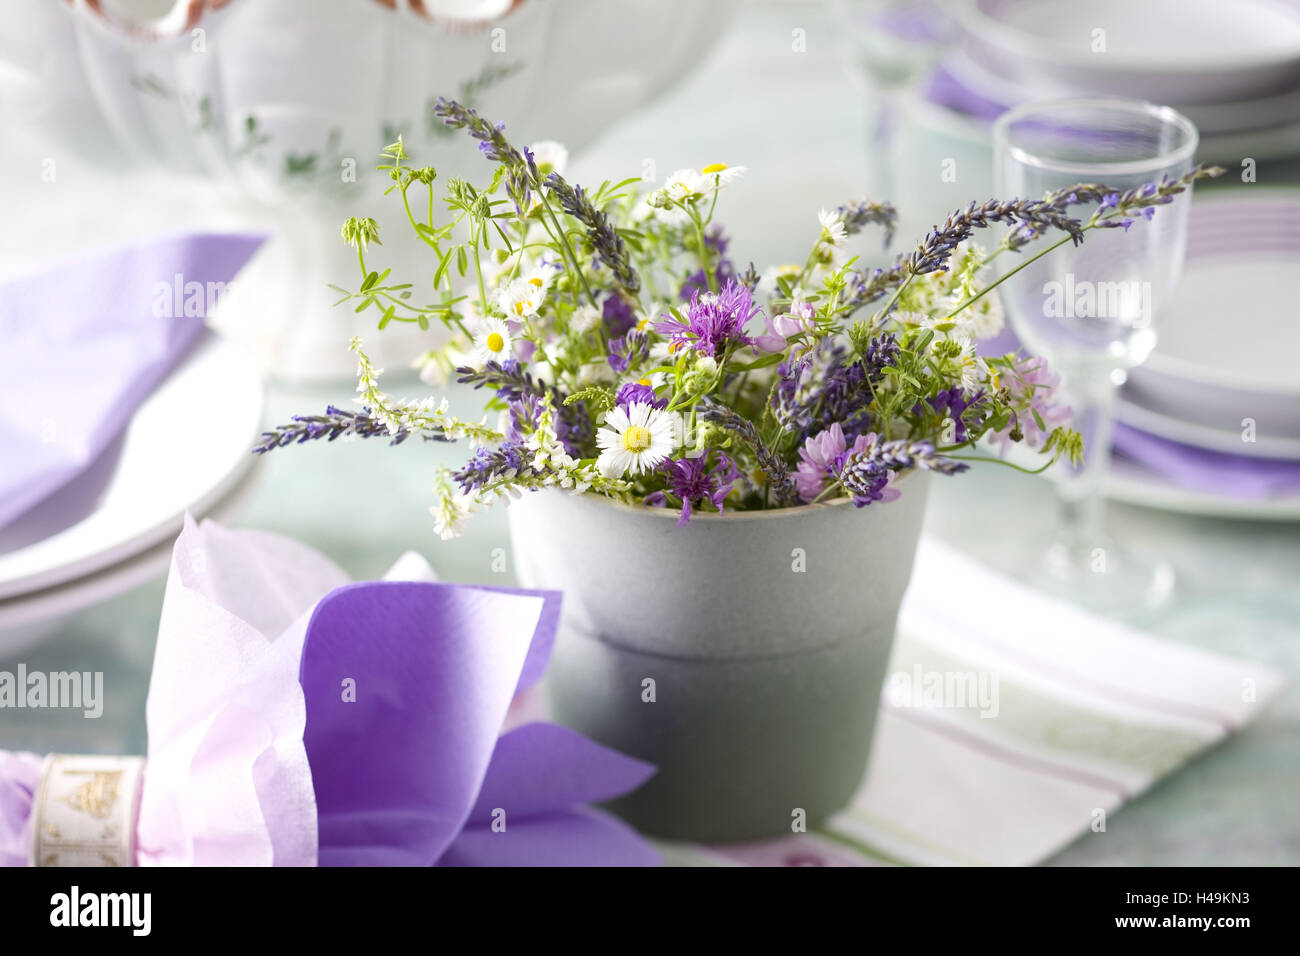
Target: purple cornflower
691, 480
713, 321
822, 458
634, 392
628, 350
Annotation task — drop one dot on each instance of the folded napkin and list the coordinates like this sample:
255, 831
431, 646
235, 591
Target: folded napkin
295, 718
1234, 476
86, 341
1081, 719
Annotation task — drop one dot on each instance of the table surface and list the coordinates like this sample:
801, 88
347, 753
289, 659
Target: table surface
363, 503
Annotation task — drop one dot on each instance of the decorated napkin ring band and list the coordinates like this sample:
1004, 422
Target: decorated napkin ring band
85, 811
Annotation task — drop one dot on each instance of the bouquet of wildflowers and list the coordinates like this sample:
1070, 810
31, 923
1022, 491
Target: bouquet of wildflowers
626, 355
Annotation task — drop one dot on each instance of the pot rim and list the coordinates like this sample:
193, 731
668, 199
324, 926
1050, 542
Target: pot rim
730, 516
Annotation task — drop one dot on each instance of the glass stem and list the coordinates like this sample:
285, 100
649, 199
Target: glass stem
1082, 504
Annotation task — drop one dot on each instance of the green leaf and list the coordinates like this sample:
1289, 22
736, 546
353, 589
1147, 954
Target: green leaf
369, 282
423, 320
462, 260
386, 317
764, 362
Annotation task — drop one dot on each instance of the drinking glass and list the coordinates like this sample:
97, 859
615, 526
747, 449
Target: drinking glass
1093, 310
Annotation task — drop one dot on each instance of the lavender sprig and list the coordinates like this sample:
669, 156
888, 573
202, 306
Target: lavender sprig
335, 423
1123, 205
858, 214
865, 474
933, 252
521, 175
573, 420
492, 465
779, 478
508, 379
604, 238
492, 141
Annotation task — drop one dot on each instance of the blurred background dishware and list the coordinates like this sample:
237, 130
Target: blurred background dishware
284, 105
1125, 282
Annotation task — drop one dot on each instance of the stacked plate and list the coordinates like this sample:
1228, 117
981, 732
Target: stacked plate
1221, 392
187, 448
1232, 68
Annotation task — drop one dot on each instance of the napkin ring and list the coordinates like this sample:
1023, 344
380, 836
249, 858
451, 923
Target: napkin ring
85, 811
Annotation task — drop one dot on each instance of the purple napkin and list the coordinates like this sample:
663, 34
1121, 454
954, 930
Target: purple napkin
85, 341
1234, 476
297, 719
412, 771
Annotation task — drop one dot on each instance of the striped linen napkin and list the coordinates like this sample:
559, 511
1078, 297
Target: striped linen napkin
1001, 739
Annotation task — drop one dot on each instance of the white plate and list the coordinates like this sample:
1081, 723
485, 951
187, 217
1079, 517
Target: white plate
1250, 115
1167, 51
1229, 338
1130, 483
1203, 436
31, 618
187, 445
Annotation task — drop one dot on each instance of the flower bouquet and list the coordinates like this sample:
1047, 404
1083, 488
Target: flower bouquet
634, 365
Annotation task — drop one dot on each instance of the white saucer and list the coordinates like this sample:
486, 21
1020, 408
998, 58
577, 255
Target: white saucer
186, 446
1204, 436
1132, 484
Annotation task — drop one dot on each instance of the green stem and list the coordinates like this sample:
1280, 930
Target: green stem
1001, 461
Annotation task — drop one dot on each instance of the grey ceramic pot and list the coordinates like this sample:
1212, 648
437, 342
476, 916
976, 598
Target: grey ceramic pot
743, 654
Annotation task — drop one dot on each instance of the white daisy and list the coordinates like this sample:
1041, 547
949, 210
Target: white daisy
550, 157
521, 298
684, 184
984, 319
833, 230
492, 341
975, 372
585, 318
539, 276
634, 439
720, 175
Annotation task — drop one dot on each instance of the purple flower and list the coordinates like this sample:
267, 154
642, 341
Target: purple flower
824, 386
953, 403
801, 318
865, 472
492, 464
619, 318
631, 349
634, 392
691, 480
713, 322
822, 458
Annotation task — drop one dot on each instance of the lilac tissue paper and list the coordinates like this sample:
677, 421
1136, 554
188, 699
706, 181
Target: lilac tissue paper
297, 719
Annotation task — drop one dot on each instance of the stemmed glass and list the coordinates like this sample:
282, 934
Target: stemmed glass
1092, 310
